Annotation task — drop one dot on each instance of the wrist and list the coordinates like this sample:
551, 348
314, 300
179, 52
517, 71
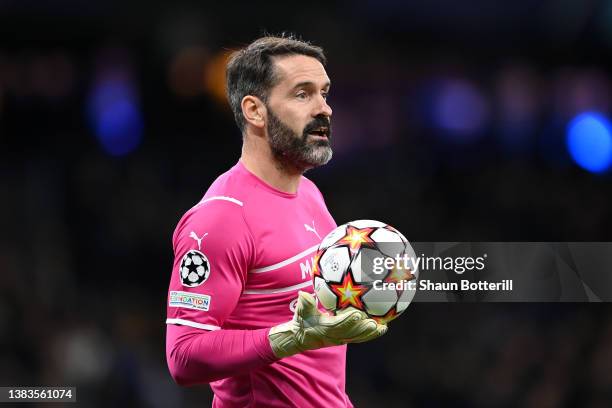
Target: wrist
283, 340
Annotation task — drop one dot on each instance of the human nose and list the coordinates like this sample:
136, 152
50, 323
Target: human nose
323, 107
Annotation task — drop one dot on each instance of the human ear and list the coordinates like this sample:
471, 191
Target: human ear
253, 110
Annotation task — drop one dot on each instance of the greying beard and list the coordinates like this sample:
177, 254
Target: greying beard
296, 151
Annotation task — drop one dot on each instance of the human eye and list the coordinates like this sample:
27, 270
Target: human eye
301, 95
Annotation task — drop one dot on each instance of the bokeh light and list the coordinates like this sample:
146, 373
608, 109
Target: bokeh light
114, 114
214, 77
460, 109
186, 72
589, 141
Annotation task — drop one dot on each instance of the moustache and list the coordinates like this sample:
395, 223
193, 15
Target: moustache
319, 125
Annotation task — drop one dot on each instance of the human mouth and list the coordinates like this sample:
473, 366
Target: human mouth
320, 133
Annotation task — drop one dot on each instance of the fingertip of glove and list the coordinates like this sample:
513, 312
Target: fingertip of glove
306, 305
306, 296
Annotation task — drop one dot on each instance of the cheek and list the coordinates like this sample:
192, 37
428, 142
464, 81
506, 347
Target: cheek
294, 114
296, 122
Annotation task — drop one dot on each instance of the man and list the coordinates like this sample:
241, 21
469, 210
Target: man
243, 253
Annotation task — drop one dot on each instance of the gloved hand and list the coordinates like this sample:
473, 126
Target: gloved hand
310, 329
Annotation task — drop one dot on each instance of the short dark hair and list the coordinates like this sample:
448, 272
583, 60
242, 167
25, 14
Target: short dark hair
250, 71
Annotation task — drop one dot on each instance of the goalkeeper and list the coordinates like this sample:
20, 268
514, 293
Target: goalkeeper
240, 312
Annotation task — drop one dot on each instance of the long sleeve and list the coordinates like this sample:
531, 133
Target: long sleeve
197, 356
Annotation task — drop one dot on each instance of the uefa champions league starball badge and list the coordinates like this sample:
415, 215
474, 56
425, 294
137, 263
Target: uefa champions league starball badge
194, 269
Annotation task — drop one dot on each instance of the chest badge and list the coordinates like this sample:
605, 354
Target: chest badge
312, 229
198, 239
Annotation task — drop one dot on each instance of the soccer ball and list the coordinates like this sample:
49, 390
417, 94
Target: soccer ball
368, 265
194, 268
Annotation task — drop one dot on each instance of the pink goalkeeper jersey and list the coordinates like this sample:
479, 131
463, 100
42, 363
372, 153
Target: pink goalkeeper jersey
241, 256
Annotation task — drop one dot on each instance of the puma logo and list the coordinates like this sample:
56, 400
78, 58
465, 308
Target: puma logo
199, 239
312, 229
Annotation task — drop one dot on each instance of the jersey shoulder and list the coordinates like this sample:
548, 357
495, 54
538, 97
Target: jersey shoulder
220, 210
233, 186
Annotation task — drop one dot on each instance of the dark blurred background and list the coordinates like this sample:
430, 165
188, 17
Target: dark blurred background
453, 121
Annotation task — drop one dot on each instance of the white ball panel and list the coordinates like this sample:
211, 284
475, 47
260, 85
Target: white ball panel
405, 300
324, 294
362, 266
358, 276
334, 263
379, 302
401, 235
384, 235
333, 237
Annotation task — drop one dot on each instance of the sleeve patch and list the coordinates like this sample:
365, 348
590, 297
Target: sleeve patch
189, 300
194, 269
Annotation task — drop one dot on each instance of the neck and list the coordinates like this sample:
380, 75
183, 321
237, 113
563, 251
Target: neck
259, 160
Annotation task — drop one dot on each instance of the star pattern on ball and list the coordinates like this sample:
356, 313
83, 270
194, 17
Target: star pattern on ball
349, 293
316, 271
399, 274
355, 238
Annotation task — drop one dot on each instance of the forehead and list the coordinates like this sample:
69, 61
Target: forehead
295, 69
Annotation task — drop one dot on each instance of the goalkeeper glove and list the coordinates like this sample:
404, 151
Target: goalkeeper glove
310, 329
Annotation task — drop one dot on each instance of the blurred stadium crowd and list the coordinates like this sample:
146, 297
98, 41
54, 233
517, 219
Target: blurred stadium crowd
471, 122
